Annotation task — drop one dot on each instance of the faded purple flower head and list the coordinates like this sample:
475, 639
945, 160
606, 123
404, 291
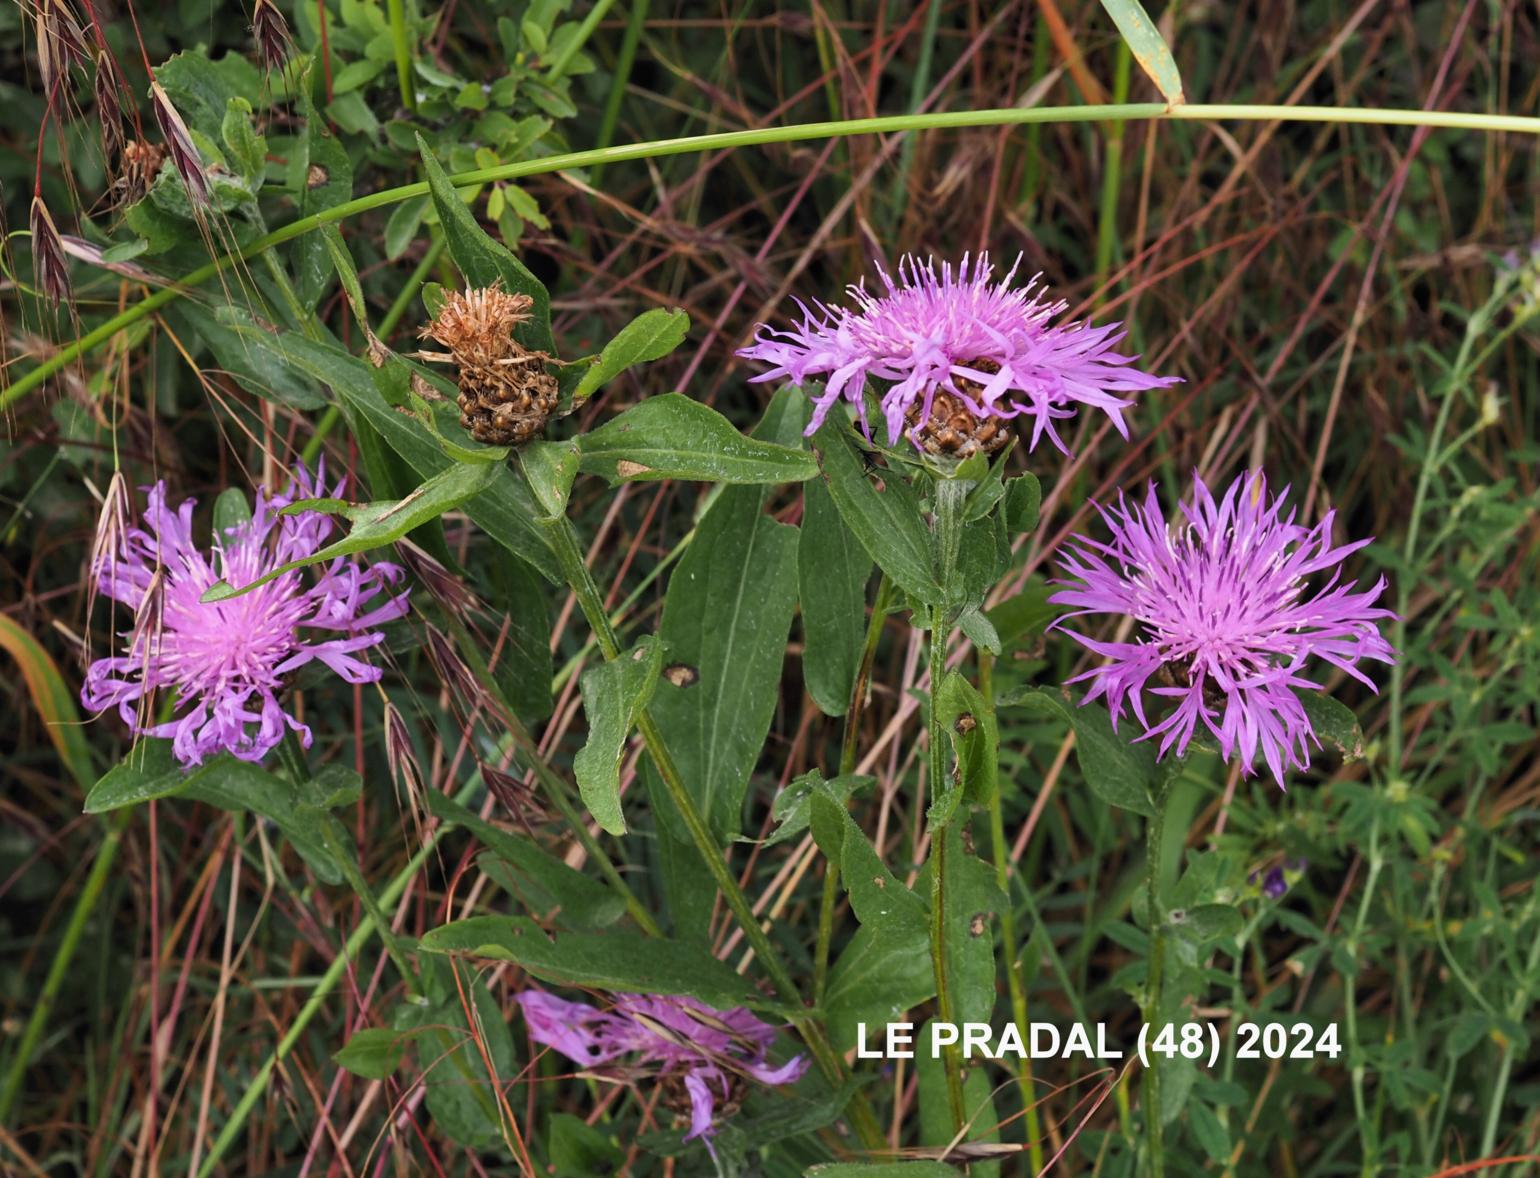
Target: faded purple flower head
1224, 615
708, 1052
986, 343
227, 660
1278, 880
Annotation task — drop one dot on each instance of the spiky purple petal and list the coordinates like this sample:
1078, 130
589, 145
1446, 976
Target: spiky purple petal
673, 1035
227, 661
1220, 600
929, 331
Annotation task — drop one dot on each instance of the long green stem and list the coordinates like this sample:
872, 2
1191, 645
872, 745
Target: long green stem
946, 1010
563, 63
402, 45
1008, 935
575, 569
1154, 984
635, 20
85, 904
1195, 112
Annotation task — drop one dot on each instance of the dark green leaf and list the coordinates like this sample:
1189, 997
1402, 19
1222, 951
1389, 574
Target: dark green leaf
374, 1052
1334, 723
884, 516
550, 468
793, 804
1023, 500
650, 336
726, 617
832, 572
879, 975
150, 771
615, 961
673, 437
486, 262
1117, 771
614, 694
539, 877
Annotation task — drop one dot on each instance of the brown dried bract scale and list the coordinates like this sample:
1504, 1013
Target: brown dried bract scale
506, 395
953, 430
138, 168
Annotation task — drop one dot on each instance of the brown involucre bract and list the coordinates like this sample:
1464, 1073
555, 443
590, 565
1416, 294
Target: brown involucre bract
506, 395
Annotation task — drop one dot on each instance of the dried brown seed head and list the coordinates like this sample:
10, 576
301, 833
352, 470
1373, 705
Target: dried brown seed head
477, 325
506, 395
271, 33
180, 146
953, 429
48, 264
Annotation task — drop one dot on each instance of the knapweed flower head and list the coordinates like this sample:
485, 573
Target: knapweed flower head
506, 395
227, 661
702, 1058
959, 344
1225, 618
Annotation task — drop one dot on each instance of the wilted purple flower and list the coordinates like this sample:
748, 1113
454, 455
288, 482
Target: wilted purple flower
1279, 879
679, 1041
957, 332
227, 660
1224, 617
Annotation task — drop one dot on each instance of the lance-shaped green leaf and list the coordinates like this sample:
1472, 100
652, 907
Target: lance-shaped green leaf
321, 172
832, 572
614, 694
650, 336
882, 513
725, 621
533, 873
486, 262
970, 725
1334, 723
1148, 47
615, 961
879, 898
878, 975
150, 771
1118, 771
672, 436
375, 524
550, 468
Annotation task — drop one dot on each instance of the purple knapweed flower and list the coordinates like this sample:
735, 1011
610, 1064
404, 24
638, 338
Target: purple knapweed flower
1224, 617
679, 1041
226, 660
984, 342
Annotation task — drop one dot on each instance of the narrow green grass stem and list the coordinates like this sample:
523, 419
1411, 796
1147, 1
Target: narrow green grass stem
1000, 849
401, 42
85, 904
636, 19
1154, 988
334, 974
653, 149
946, 1008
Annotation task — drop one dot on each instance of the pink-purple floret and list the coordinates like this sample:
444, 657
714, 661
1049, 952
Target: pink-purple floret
227, 661
930, 330
670, 1035
1221, 600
